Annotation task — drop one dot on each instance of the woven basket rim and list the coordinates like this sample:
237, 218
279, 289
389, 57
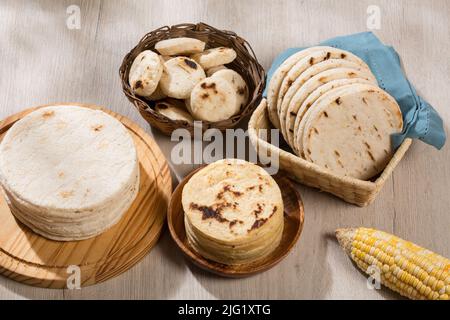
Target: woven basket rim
364, 184
246, 62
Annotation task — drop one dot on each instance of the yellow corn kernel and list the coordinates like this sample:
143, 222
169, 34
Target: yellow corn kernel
406, 268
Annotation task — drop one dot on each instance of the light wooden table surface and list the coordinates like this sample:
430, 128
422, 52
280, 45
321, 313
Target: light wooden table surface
42, 61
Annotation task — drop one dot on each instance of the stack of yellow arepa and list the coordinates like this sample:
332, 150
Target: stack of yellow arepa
233, 212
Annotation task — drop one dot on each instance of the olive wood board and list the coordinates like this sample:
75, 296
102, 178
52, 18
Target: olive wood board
34, 260
293, 225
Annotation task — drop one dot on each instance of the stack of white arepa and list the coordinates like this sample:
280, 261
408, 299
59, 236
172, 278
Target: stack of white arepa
233, 212
68, 172
331, 112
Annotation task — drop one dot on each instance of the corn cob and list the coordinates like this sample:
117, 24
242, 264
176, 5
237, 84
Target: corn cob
410, 270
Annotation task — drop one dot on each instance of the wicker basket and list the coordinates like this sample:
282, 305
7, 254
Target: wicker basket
245, 64
352, 190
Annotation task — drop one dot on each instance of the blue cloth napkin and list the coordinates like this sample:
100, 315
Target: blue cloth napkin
420, 119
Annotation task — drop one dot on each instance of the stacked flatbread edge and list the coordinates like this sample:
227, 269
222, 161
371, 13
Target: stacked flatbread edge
68, 173
233, 212
185, 71
331, 112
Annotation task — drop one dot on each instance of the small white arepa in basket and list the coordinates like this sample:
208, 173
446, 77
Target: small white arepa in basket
68, 172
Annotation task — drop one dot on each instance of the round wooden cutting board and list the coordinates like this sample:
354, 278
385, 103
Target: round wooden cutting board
29, 258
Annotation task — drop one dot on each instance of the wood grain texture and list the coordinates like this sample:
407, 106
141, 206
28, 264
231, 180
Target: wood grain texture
31, 259
42, 61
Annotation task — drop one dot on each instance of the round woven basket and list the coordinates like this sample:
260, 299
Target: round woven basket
245, 64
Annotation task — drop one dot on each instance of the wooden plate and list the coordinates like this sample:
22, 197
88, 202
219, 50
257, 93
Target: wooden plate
293, 225
34, 260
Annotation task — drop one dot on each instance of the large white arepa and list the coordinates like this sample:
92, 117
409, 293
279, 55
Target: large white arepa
68, 172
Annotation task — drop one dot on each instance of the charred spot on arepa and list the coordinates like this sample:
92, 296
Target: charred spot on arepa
211, 85
190, 63
257, 224
97, 127
274, 210
234, 222
211, 212
228, 189
48, 114
138, 85
259, 209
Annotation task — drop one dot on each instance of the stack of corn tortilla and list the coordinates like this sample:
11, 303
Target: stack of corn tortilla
331, 112
68, 172
233, 212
